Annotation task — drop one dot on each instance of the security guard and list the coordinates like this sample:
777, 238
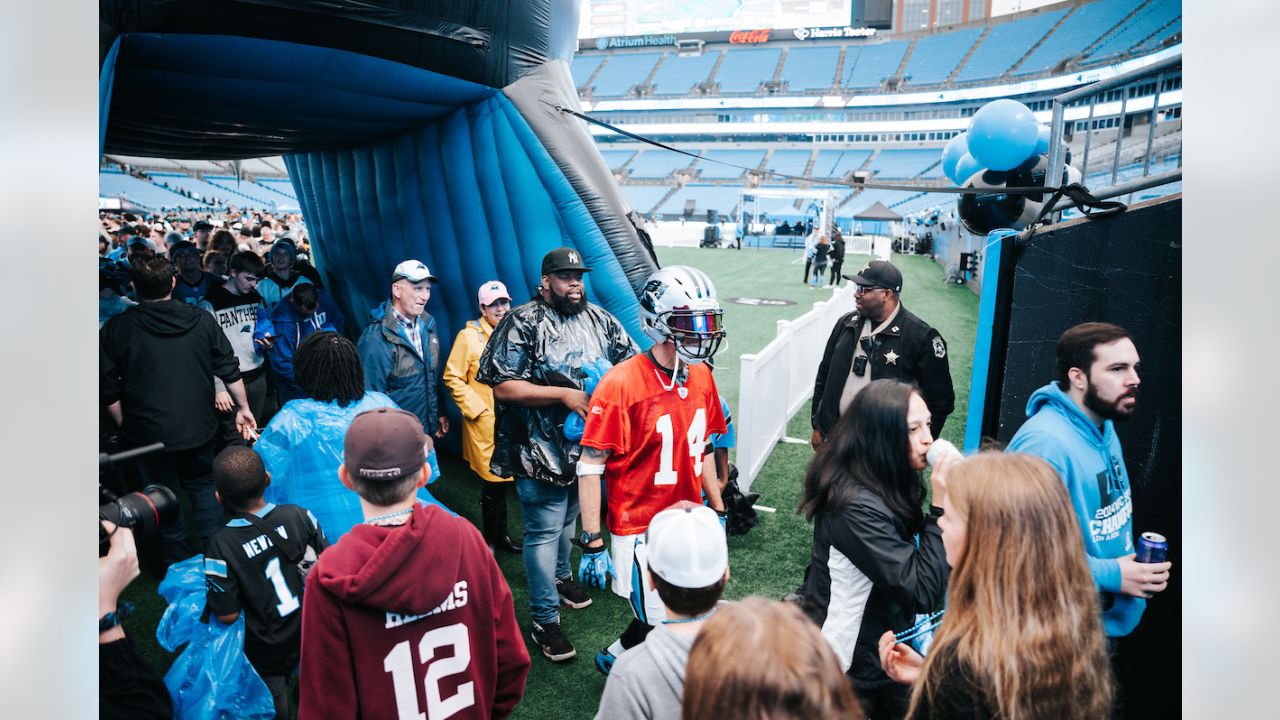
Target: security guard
880, 339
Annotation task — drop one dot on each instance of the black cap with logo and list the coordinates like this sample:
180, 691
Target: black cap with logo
878, 273
563, 258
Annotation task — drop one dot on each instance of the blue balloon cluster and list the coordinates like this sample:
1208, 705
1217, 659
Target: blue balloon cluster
1002, 135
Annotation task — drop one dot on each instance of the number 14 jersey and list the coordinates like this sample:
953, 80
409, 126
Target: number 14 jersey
657, 438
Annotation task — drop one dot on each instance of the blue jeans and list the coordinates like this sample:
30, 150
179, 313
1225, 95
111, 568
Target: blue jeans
550, 513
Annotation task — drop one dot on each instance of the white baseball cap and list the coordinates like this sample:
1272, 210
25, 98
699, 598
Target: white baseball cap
687, 547
492, 291
413, 271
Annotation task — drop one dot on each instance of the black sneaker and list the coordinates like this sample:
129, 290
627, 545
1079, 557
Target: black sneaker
551, 640
572, 595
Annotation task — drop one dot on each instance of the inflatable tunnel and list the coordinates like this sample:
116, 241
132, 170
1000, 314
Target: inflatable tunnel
425, 130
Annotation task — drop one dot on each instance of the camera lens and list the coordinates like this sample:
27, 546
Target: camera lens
143, 512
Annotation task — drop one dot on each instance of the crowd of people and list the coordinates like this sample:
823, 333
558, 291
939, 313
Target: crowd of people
923, 598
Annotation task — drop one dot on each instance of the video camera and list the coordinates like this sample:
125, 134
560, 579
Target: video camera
144, 512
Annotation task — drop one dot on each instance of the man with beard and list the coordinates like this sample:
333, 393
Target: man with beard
400, 350
1070, 425
536, 362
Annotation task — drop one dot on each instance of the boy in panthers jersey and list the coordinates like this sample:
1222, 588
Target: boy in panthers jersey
648, 434
247, 568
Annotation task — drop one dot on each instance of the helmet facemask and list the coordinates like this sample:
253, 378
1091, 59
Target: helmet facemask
697, 334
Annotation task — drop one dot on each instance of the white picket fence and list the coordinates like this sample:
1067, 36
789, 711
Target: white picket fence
777, 381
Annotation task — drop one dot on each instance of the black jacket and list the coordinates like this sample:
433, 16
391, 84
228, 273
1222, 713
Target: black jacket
906, 350
159, 359
867, 576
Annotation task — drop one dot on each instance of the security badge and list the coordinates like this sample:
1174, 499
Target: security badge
891, 357
939, 347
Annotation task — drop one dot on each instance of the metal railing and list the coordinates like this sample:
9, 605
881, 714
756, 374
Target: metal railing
1057, 147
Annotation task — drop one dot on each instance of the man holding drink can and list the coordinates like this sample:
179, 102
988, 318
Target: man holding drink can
1070, 424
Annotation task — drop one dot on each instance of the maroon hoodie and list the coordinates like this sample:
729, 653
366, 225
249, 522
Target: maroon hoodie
410, 621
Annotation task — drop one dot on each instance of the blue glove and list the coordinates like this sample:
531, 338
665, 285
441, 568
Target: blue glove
595, 568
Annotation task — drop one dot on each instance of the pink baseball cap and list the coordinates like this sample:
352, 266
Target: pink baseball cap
491, 291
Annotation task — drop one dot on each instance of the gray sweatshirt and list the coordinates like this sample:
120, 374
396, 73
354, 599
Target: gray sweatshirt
648, 680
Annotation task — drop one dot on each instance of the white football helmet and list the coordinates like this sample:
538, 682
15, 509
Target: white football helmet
679, 303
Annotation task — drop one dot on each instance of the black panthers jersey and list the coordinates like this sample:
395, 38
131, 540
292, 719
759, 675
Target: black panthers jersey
244, 570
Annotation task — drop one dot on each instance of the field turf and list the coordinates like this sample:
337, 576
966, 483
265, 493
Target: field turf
768, 561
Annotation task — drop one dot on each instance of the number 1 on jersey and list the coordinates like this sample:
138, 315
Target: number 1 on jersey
697, 437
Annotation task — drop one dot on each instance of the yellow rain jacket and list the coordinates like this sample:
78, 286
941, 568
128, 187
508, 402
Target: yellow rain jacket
474, 398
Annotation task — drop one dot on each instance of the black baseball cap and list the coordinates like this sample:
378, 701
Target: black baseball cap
563, 258
202, 225
878, 273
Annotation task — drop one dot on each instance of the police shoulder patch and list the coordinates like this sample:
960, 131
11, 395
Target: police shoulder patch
939, 347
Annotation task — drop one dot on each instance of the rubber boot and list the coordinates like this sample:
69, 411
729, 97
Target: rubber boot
493, 513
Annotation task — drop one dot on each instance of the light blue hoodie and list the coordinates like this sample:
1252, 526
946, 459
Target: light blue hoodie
1092, 466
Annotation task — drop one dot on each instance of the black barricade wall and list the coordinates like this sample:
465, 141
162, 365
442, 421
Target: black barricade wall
1126, 270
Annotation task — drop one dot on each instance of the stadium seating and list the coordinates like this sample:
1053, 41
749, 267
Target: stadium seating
582, 67
867, 66
1157, 40
656, 164
1004, 44
284, 187
721, 198
743, 70
1146, 22
903, 163
115, 183
810, 68
1081, 29
199, 188
622, 72
741, 158
642, 198
255, 196
789, 162
615, 159
838, 163
935, 57
678, 75
867, 198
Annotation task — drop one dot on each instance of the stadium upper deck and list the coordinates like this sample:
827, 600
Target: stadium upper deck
1055, 39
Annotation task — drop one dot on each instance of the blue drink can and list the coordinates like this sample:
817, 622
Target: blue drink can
1151, 548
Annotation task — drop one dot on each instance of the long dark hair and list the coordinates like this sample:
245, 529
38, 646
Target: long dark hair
868, 447
328, 369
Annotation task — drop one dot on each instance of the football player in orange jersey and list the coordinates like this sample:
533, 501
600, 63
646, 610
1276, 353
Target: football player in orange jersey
647, 434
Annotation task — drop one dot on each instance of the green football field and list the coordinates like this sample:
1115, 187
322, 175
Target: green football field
770, 559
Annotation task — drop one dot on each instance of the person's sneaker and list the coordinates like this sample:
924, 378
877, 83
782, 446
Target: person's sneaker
571, 594
795, 597
604, 661
551, 641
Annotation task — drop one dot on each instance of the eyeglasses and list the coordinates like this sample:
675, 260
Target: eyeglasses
860, 289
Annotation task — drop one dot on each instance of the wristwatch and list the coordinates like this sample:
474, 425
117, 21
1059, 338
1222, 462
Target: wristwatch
112, 619
587, 538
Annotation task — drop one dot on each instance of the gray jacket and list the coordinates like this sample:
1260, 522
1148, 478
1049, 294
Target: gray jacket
648, 680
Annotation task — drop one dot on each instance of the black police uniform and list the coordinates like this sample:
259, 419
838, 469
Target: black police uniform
909, 349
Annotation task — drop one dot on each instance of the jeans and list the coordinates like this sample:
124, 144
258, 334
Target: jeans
550, 513
191, 469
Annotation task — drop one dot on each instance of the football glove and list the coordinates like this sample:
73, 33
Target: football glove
595, 568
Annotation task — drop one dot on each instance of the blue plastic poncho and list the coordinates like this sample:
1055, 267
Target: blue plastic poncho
211, 679
302, 449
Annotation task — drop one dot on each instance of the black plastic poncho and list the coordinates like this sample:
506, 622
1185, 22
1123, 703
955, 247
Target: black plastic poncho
536, 343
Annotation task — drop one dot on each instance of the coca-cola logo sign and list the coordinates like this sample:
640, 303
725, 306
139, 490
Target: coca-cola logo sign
749, 37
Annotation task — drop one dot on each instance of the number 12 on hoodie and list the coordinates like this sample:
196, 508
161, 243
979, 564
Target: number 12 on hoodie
399, 662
